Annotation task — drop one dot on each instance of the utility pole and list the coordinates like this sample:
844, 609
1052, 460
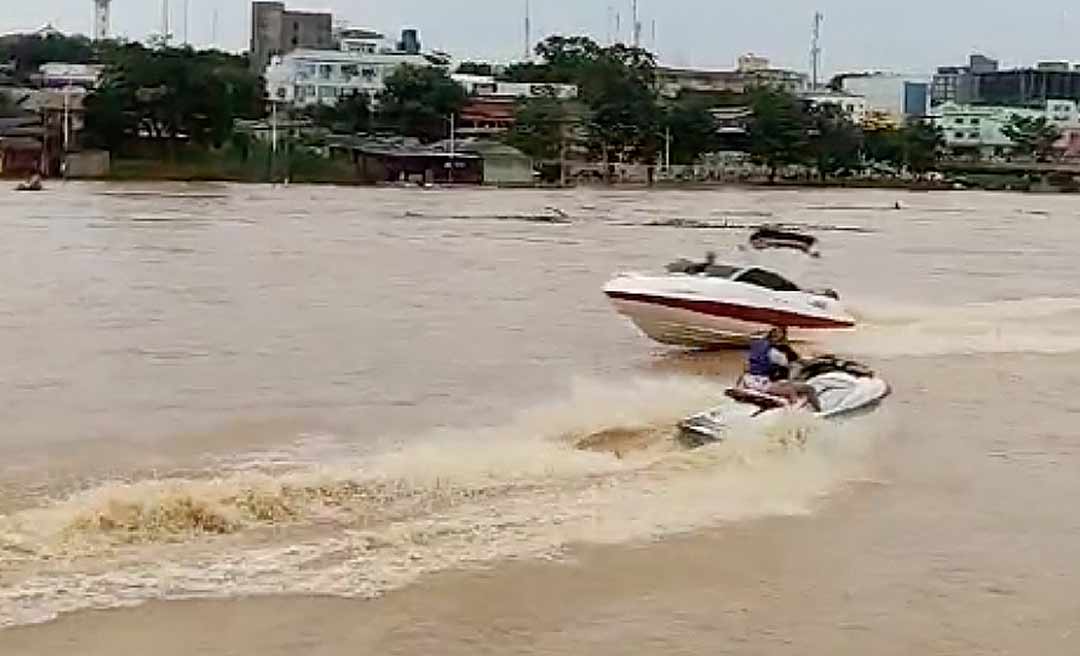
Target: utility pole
67, 118
450, 176
214, 29
165, 36
273, 139
187, 12
637, 24
667, 151
815, 50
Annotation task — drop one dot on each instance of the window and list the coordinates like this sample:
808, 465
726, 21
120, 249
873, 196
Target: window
768, 280
350, 71
958, 135
300, 93
326, 71
280, 93
369, 73
959, 121
975, 121
327, 92
973, 135
296, 27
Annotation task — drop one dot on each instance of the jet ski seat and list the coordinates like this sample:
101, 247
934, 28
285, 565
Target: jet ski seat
759, 399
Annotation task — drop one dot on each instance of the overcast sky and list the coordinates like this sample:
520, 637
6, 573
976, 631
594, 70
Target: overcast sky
911, 36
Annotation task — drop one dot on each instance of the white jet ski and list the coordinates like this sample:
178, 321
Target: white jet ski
844, 388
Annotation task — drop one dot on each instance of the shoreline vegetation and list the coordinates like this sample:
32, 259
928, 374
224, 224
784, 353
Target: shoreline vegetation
176, 113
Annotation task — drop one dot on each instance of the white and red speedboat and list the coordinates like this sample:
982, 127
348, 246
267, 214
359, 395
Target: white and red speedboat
711, 305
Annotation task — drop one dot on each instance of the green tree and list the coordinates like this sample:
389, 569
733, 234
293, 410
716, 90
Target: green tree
1032, 136
351, 114
884, 146
170, 94
30, 51
778, 132
692, 130
922, 145
541, 126
835, 141
418, 102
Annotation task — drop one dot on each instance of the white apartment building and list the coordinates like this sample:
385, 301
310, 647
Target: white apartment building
488, 86
980, 126
311, 77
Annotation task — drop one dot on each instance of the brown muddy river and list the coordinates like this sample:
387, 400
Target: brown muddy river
244, 419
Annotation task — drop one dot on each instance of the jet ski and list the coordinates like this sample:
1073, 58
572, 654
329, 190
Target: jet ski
844, 389
709, 305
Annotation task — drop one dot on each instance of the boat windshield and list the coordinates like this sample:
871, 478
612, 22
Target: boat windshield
766, 279
703, 269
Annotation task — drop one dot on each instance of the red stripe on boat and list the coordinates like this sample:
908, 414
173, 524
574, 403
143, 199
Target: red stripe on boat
732, 311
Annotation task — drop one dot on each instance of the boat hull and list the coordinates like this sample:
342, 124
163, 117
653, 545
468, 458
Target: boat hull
714, 314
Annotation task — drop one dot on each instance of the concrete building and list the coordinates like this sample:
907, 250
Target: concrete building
485, 86
1025, 87
311, 77
979, 128
277, 31
955, 84
753, 72
57, 75
852, 105
891, 96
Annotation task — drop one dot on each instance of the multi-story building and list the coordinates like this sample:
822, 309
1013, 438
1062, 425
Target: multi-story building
312, 77
753, 72
853, 106
277, 31
55, 75
890, 96
955, 84
1026, 87
492, 104
980, 128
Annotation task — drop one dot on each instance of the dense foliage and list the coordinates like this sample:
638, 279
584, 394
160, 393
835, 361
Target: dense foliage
418, 102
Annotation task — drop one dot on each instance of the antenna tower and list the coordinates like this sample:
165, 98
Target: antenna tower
528, 30
637, 24
815, 50
101, 19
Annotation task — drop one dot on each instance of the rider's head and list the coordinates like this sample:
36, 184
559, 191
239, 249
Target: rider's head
778, 335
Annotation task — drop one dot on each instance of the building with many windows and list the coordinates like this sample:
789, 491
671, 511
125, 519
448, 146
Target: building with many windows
313, 77
892, 97
955, 84
752, 72
980, 128
277, 31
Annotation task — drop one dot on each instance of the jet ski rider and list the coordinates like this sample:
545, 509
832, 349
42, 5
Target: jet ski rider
769, 370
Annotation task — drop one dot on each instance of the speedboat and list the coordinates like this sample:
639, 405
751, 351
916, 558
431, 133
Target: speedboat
712, 305
844, 389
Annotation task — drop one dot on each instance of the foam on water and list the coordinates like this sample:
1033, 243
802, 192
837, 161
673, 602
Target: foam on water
362, 526
1031, 325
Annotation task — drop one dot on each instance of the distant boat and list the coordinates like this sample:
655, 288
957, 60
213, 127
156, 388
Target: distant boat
33, 184
767, 237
